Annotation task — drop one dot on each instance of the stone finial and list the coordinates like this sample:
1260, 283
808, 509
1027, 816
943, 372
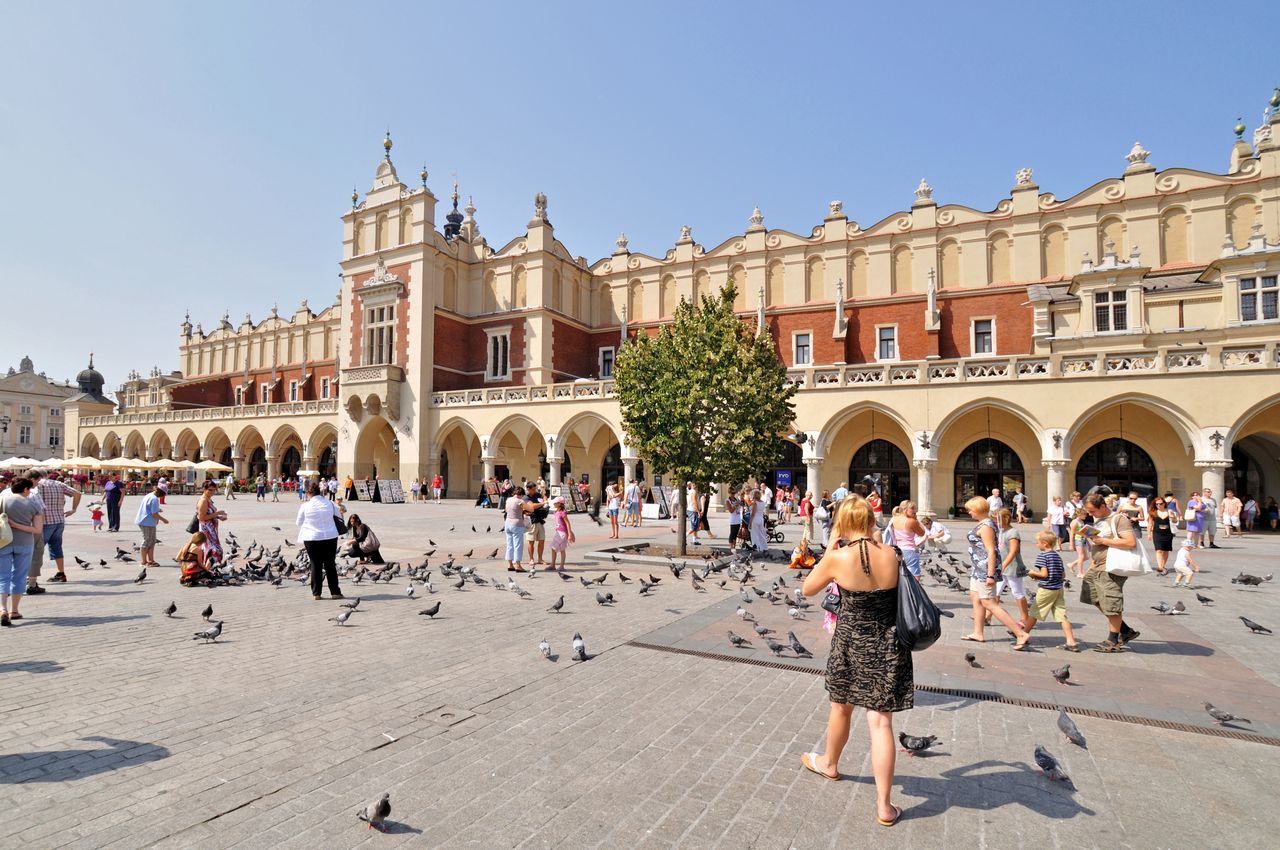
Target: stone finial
924, 192
275, 310
1137, 154
303, 305
686, 233
835, 208
622, 243
1023, 177
540, 206
757, 219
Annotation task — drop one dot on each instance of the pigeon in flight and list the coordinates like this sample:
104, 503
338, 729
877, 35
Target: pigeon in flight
556, 606
171, 609
1220, 717
1256, 628
342, 618
431, 612
544, 648
738, 640
209, 634
375, 814
1062, 674
912, 744
579, 647
797, 647
973, 660
1049, 766
1068, 728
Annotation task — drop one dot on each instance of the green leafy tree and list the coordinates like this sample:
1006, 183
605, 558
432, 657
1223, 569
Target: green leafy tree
706, 399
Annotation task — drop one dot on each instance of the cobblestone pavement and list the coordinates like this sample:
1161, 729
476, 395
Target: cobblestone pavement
120, 731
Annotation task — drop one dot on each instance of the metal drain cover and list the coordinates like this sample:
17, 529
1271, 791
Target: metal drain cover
447, 715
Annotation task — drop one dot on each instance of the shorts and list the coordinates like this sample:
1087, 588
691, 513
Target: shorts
537, 532
613, 512
1104, 591
911, 559
980, 588
1210, 525
1231, 521
1015, 584
1182, 569
1061, 531
148, 536
53, 539
1050, 605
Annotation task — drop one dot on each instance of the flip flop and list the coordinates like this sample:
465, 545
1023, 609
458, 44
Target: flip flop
897, 816
972, 638
809, 760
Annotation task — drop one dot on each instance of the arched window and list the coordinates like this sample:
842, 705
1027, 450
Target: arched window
1241, 215
605, 305
882, 466
449, 296
902, 272
406, 225
1119, 464
738, 275
635, 301
490, 293
815, 280
857, 275
557, 296
1173, 236
519, 288
998, 252
986, 465
949, 260
668, 294
1054, 243
701, 286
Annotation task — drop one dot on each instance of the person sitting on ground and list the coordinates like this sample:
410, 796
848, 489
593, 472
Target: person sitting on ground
364, 543
191, 559
936, 535
802, 557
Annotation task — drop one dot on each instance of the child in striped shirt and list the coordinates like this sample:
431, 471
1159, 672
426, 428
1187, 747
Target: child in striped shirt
1049, 599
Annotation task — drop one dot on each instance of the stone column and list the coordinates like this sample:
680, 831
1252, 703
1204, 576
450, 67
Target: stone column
813, 476
554, 463
1056, 482
1213, 475
239, 463
273, 467
307, 463
924, 484
717, 497
629, 464
487, 460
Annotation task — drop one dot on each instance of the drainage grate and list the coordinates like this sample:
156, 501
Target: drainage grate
987, 696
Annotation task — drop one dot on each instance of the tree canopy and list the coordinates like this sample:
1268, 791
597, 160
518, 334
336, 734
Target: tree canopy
707, 398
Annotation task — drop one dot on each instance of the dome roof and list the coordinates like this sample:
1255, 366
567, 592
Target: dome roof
90, 379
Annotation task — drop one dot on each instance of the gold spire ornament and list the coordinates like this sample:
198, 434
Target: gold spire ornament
386, 144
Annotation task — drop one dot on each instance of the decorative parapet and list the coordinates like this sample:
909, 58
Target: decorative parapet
199, 414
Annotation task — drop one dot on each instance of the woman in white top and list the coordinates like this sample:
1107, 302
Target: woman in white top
759, 534
613, 501
514, 527
318, 532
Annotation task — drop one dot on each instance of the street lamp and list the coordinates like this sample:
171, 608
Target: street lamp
4, 423
395, 445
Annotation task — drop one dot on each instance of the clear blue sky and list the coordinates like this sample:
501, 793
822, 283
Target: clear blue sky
159, 157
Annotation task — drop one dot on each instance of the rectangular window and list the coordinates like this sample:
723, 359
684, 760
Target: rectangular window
239, 396
155, 396
1110, 311
293, 391
606, 363
24, 435
887, 343
324, 388
55, 437
1259, 299
55, 412
25, 410
984, 336
803, 350
379, 335
264, 390
499, 357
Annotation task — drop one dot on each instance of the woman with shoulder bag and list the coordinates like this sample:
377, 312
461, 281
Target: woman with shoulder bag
984, 575
318, 532
364, 543
866, 665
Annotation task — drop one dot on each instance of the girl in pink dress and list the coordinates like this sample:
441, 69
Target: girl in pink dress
562, 533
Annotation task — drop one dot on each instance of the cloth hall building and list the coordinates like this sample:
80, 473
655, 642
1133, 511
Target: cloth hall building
1124, 334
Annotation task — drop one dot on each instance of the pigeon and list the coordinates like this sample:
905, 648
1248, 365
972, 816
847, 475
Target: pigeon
1200, 597
1049, 766
774, 647
973, 660
745, 597
493, 554
1178, 608
761, 630
586, 583
462, 582
911, 744
563, 575
654, 580
408, 591
738, 640
275, 528
209, 634
83, 563
1068, 728
375, 814
544, 648
745, 614
795, 613
207, 612
1162, 607
600, 578
516, 589
342, 618
431, 612
1062, 674
142, 576
556, 606
469, 551
601, 599
353, 604
579, 648
622, 578
1255, 627
1220, 717
797, 647
171, 609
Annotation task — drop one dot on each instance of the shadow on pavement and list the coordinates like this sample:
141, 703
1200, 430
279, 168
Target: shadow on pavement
64, 765
30, 667
90, 621
1017, 784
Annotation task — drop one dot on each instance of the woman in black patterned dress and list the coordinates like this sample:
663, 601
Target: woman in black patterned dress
866, 666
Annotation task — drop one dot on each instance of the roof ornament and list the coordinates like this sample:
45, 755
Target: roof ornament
1137, 157
423, 175
924, 192
835, 208
1023, 177
622, 243
387, 145
756, 220
686, 233
355, 196
1239, 128
540, 207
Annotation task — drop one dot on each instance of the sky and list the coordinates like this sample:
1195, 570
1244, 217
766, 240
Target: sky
160, 158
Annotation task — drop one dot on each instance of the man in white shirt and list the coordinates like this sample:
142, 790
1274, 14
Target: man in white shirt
1020, 505
936, 535
1210, 517
766, 496
995, 503
841, 493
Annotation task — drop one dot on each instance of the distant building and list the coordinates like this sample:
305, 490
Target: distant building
34, 411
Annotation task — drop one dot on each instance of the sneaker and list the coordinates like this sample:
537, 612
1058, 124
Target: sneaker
336, 596
34, 588
1125, 638
58, 577
1214, 546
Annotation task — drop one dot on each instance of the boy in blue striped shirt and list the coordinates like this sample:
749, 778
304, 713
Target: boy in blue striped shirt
1049, 599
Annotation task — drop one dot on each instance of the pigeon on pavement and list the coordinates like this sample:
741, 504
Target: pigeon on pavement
353, 604
738, 640
1256, 628
545, 649
171, 609
431, 612
209, 634
556, 606
142, 576
342, 618
1062, 674
912, 744
797, 647
1178, 608
1049, 765
774, 647
375, 814
1068, 728
973, 660
1162, 607
579, 647
1202, 599
1220, 717
207, 612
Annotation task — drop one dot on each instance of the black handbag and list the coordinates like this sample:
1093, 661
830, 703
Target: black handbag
919, 620
194, 525
831, 602
340, 525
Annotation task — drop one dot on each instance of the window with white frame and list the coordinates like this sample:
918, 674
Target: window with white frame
606, 362
802, 348
887, 342
239, 396
499, 367
24, 435
55, 412
1259, 299
24, 410
55, 437
155, 396
293, 391
1110, 311
379, 335
984, 336
263, 391
324, 388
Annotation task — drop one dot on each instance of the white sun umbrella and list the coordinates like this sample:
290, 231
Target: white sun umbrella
20, 463
124, 463
307, 473
162, 463
211, 466
51, 463
82, 463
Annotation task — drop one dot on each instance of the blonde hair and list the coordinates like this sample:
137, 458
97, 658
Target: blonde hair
853, 518
1004, 517
197, 540
1046, 539
978, 504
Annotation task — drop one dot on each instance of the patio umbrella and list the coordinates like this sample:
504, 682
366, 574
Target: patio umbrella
124, 463
82, 463
211, 466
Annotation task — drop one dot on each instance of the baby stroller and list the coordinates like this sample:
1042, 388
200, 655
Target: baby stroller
772, 532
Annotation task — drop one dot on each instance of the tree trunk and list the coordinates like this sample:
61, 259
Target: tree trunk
682, 521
